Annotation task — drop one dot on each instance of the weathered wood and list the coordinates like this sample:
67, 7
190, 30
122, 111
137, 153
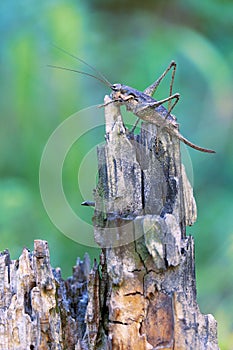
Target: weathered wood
142, 294
38, 310
143, 204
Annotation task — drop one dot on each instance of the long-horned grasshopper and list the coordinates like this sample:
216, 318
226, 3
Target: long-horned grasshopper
142, 104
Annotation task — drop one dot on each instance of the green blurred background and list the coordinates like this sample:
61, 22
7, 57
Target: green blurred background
130, 42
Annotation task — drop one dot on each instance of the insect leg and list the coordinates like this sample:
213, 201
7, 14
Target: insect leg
171, 86
135, 124
150, 90
177, 97
159, 129
157, 104
160, 102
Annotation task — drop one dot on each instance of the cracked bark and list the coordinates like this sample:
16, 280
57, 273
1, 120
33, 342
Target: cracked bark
142, 294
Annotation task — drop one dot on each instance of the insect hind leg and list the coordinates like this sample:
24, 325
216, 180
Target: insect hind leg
159, 103
150, 90
160, 128
171, 86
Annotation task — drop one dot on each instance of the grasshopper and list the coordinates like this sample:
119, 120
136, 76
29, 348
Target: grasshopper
142, 104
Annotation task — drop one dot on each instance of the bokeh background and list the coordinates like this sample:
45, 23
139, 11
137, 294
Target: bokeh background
130, 42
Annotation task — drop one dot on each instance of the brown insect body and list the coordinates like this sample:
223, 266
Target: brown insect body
150, 110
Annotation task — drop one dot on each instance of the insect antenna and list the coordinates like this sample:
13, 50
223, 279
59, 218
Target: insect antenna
101, 77
80, 72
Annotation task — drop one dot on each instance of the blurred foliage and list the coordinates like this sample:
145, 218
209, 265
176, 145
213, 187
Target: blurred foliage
132, 43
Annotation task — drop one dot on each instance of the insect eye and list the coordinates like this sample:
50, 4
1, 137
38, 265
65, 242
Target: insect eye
116, 87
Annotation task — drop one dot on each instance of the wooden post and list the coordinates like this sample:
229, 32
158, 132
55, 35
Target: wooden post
142, 295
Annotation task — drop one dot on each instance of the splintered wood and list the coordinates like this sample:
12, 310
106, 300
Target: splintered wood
38, 310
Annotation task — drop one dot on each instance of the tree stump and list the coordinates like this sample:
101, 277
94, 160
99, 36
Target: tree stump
144, 202
142, 294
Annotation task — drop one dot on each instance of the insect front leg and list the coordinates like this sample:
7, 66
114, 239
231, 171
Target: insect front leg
119, 98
